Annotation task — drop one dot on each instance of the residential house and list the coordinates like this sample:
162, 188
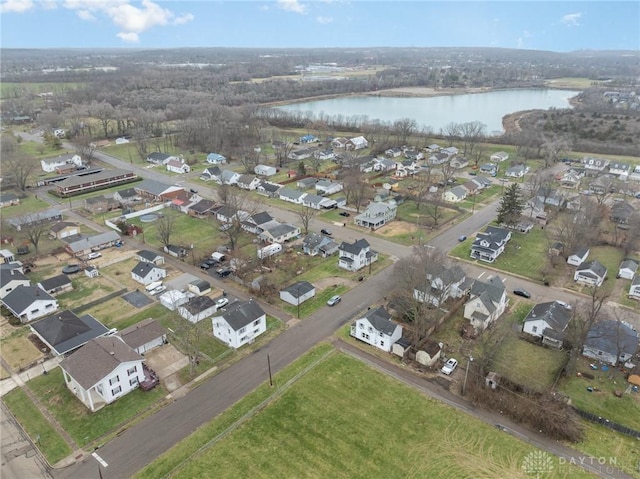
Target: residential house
50, 215
377, 329
340, 143
609, 341
178, 166
489, 169
579, 256
459, 162
96, 242
301, 154
438, 159
621, 170
100, 204
49, 165
318, 202
64, 229
441, 284
556, 249
307, 139
240, 324
324, 155
413, 154
394, 152
488, 300
316, 244
254, 223
144, 336
202, 208
102, 371
173, 299
517, 171
274, 232
550, 196
228, 214
357, 143
634, 289
499, 157
482, 181
248, 182
570, 179
29, 302
10, 279
628, 269
228, 177
268, 189
591, 273
355, 256
198, 308
621, 213
7, 257
450, 151
471, 187
158, 158
306, 183
9, 199
328, 187
152, 190
91, 271
265, 170
455, 194
549, 322
211, 173
216, 159
127, 196
148, 256
58, 284
595, 165
147, 273
298, 293
122, 141
434, 147
65, 331
490, 244
384, 164
292, 196
377, 215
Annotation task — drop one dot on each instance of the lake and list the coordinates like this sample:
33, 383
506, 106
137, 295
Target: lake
438, 111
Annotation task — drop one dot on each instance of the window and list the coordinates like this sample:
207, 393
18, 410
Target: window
381, 334
365, 336
242, 330
534, 329
256, 322
116, 390
370, 329
361, 325
133, 381
382, 344
132, 370
256, 331
34, 311
243, 339
112, 381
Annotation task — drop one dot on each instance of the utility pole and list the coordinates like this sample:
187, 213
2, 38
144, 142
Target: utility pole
269, 366
464, 385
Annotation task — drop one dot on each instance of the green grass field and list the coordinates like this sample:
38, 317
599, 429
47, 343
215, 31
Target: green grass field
342, 419
17, 90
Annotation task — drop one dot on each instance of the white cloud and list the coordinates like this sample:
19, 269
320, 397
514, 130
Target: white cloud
324, 20
292, 6
86, 15
48, 4
572, 19
182, 19
16, 6
130, 37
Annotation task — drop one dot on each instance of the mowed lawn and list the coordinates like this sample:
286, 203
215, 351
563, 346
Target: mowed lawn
343, 419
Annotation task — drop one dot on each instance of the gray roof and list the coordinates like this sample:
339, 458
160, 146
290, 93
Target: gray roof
29, 218
493, 287
279, 229
594, 267
630, 264
290, 193
127, 193
355, 247
198, 304
57, 227
299, 289
246, 179
152, 186
201, 284
212, 171
143, 268
143, 332
99, 176
554, 314
8, 275
5, 197
615, 337
157, 156
97, 359
227, 175
148, 255
581, 252
459, 191
380, 319
22, 297
203, 206
240, 314
636, 280
261, 218
94, 241
65, 331
55, 282
270, 187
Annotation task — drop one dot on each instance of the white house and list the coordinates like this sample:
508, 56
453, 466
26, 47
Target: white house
10, 279
499, 156
591, 273
377, 214
298, 293
611, 341
198, 308
328, 187
628, 269
355, 256
290, 195
455, 194
144, 335
516, 171
265, 170
275, 232
148, 256
634, 289
49, 165
248, 182
147, 273
29, 302
211, 173
227, 177
102, 371
490, 244
488, 302
158, 158
377, 329
357, 143
240, 324
578, 257
178, 166
216, 159
547, 321
440, 285
173, 299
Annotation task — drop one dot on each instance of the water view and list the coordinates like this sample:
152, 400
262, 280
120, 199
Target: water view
437, 112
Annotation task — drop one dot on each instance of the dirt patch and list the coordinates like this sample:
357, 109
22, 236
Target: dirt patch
396, 228
324, 283
427, 92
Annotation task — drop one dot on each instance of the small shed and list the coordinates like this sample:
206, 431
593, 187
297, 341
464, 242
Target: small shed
401, 347
492, 380
199, 287
429, 353
298, 293
144, 336
91, 271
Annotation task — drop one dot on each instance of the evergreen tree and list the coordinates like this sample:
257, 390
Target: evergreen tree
511, 206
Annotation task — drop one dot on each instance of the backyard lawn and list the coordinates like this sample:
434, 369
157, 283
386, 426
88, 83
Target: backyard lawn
322, 426
18, 351
311, 305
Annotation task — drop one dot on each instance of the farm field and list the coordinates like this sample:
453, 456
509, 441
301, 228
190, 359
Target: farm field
323, 427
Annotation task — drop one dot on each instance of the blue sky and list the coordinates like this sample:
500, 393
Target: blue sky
552, 25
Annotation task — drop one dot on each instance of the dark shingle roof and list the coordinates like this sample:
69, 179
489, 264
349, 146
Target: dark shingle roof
150, 256
143, 332
8, 275
56, 228
494, 288
299, 289
55, 282
554, 314
356, 247
615, 337
23, 296
97, 359
380, 319
593, 266
65, 331
198, 304
242, 313
143, 268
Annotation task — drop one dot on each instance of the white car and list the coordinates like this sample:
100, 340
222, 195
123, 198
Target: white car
333, 300
565, 305
221, 303
450, 366
94, 255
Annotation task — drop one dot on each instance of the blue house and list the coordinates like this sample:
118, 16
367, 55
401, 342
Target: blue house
215, 159
307, 139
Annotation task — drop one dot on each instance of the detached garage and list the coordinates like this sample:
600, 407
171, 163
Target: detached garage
144, 336
298, 293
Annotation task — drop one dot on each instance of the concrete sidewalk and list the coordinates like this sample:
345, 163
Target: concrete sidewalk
19, 379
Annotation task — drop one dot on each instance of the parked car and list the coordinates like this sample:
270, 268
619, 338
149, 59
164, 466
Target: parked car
211, 261
564, 304
345, 214
325, 232
224, 272
222, 302
94, 255
193, 190
71, 269
450, 366
160, 289
462, 238
205, 265
522, 292
333, 300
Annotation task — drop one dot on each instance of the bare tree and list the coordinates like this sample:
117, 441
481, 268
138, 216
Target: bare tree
488, 346
164, 227
420, 184
478, 153
355, 187
603, 187
282, 148
404, 128
33, 228
20, 166
237, 205
447, 171
86, 147
631, 241
472, 133
553, 148
451, 132
105, 113
189, 336
434, 206
305, 214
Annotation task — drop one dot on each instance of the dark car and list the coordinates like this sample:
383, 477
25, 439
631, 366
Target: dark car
205, 265
345, 214
212, 262
462, 238
193, 190
522, 292
224, 272
325, 232
71, 269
